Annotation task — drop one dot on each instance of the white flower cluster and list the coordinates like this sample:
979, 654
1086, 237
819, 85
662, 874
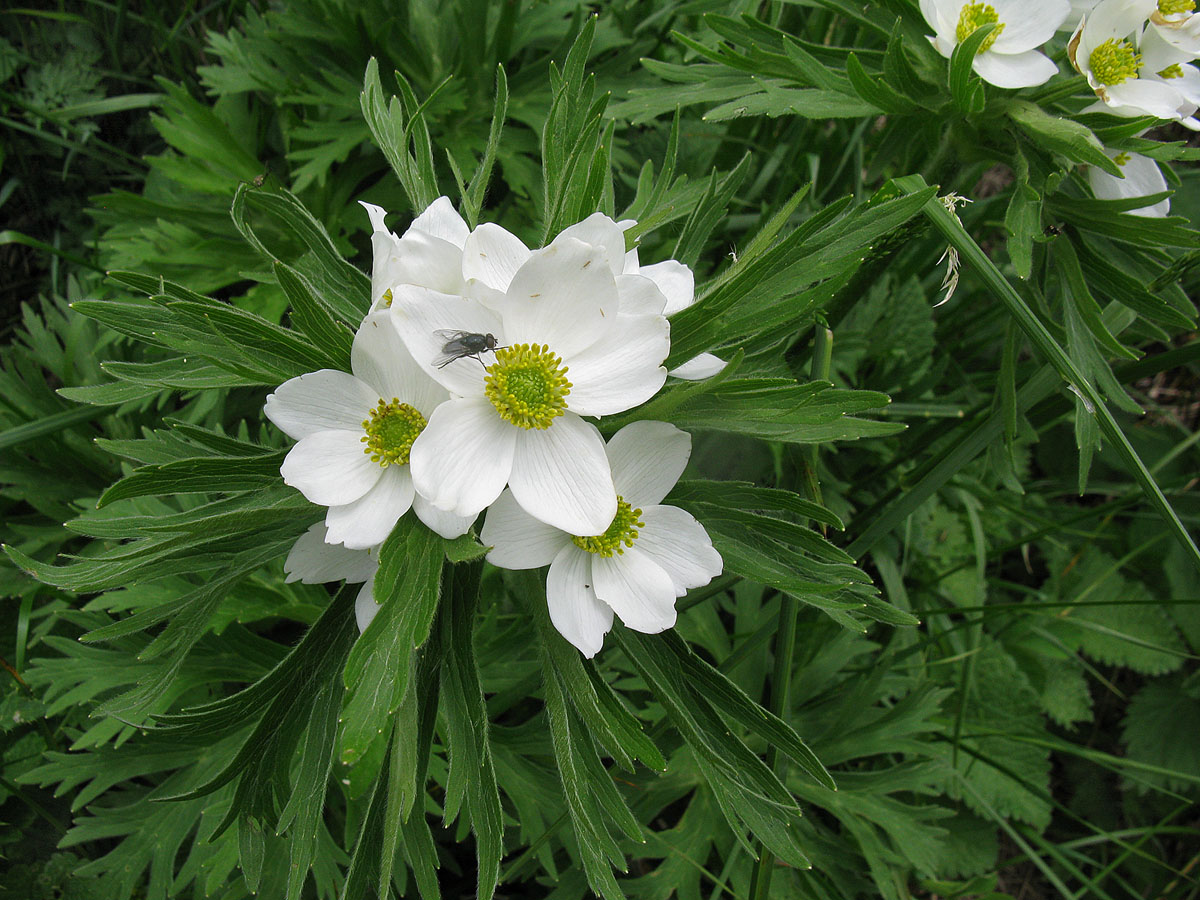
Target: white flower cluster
1137, 56
475, 380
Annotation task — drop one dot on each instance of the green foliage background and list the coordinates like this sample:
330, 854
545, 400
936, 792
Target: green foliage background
957, 586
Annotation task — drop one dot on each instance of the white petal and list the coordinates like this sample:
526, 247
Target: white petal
370, 519
314, 561
561, 476
632, 265
1027, 23
576, 613
603, 233
493, 255
676, 281
1142, 177
420, 258
1014, 70
441, 220
705, 365
419, 314
1181, 32
636, 587
680, 545
639, 296
1152, 97
1115, 19
622, 369
327, 400
330, 468
377, 215
564, 296
463, 458
647, 459
380, 359
365, 605
517, 539
445, 524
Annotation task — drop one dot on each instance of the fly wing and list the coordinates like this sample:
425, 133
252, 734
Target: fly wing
450, 334
453, 349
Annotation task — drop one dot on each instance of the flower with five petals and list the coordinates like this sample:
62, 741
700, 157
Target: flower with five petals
354, 435
648, 556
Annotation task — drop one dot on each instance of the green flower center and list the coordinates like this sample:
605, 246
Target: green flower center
1172, 71
974, 16
1121, 158
391, 431
1174, 7
528, 385
387, 297
1114, 61
620, 534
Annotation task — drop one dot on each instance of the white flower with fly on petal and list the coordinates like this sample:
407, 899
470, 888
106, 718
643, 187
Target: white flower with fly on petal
354, 435
1008, 57
648, 556
563, 351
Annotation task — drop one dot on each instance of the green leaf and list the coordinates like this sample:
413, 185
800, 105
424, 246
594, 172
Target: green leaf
316, 317
965, 88
1070, 139
471, 771
875, 90
407, 588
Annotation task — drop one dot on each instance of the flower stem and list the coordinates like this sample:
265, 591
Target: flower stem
785, 637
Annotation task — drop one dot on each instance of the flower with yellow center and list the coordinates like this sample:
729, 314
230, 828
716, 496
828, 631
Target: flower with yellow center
648, 556
1132, 69
1008, 57
564, 348
355, 435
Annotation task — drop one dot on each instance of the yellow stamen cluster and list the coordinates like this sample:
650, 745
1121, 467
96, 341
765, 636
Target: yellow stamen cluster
972, 17
1114, 61
528, 385
1121, 158
1174, 7
391, 430
1172, 71
387, 297
620, 534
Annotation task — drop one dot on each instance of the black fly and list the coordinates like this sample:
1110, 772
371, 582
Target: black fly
463, 343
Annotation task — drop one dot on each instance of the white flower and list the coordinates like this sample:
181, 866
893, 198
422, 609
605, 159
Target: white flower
564, 352
1079, 9
429, 253
1142, 177
354, 434
1007, 57
314, 561
1104, 48
648, 556
1177, 23
671, 283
